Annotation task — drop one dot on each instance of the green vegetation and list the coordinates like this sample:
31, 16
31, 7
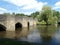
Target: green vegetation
42, 22
35, 14
20, 15
46, 13
46, 16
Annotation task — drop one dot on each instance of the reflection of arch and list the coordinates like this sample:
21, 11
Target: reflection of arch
2, 27
18, 25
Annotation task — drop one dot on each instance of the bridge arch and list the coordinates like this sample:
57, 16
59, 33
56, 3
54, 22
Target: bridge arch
28, 24
18, 25
2, 27
59, 23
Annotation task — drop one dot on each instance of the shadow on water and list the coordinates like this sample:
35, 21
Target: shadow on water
6, 41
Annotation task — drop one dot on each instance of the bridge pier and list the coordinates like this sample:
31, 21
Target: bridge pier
24, 23
10, 23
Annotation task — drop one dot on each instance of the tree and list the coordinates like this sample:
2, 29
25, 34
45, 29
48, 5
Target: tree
55, 13
34, 15
46, 13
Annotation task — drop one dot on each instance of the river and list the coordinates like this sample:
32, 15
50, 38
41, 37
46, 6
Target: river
45, 35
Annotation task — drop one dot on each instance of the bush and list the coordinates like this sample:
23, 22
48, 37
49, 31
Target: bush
42, 22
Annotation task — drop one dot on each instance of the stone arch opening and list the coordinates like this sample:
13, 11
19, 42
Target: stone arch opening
59, 23
2, 27
18, 26
28, 24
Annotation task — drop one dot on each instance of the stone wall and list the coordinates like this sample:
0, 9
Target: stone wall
3, 20
10, 23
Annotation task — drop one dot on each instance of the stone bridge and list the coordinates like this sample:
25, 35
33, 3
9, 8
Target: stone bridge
11, 22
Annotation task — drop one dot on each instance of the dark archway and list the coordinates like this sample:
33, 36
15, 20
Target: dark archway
2, 28
59, 23
28, 24
18, 26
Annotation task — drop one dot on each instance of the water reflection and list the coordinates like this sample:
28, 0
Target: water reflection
56, 37
33, 36
2, 34
21, 33
41, 34
47, 32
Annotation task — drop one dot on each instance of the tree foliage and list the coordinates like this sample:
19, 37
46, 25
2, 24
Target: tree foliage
55, 13
20, 14
45, 13
34, 15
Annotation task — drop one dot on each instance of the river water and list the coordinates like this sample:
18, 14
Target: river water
45, 35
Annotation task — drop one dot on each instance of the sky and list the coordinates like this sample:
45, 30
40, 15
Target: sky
27, 6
